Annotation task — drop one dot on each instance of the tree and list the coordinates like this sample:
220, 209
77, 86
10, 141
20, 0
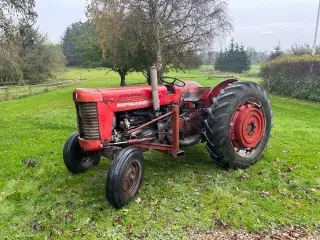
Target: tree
85, 43
15, 11
191, 60
120, 48
30, 57
276, 53
68, 42
257, 57
9, 61
163, 30
25, 54
303, 49
39, 59
234, 59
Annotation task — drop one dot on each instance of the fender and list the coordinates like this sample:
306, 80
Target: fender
216, 91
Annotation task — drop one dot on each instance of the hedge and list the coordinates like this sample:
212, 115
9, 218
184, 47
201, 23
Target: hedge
293, 76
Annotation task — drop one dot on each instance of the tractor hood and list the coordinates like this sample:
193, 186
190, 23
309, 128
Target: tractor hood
115, 94
130, 93
140, 93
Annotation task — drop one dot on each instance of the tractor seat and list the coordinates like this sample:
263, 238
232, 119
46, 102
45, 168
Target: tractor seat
195, 94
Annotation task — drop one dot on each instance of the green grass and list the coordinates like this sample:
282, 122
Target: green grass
177, 195
255, 68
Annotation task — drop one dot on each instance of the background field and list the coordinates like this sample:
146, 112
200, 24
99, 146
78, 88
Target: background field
15, 91
39, 198
254, 68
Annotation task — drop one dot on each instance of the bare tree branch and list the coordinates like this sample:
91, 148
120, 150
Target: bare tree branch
168, 28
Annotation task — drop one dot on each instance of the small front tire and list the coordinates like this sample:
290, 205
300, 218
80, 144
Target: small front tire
76, 160
125, 177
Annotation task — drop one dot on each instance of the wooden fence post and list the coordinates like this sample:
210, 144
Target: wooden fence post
7, 93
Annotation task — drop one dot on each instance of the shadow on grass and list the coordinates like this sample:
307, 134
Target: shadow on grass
158, 169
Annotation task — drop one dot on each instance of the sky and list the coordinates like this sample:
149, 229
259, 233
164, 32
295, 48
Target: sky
261, 24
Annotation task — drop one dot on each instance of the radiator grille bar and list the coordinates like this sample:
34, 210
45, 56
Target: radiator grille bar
88, 121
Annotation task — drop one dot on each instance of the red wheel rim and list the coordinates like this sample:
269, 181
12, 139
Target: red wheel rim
131, 179
247, 126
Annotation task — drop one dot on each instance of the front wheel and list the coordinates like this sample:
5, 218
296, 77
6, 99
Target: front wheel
125, 177
239, 125
76, 160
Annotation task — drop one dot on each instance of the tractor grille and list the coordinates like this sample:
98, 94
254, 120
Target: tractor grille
88, 121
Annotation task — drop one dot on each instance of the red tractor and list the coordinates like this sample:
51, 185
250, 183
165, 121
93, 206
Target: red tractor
234, 119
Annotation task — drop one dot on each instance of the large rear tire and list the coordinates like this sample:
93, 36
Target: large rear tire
76, 160
239, 125
125, 177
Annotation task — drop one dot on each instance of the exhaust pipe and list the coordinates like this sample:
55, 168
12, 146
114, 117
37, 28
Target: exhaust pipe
155, 90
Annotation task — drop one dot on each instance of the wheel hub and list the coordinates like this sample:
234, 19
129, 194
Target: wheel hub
247, 126
131, 179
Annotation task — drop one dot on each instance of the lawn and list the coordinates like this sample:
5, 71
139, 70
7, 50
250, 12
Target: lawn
39, 198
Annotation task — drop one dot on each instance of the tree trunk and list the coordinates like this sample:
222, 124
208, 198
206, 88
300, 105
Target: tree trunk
123, 78
148, 77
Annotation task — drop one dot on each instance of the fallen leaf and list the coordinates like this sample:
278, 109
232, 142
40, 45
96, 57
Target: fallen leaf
170, 183
222, 224
138, 200
241, 178
177, 209
117, 219
155, 202
59, 232
93, 227
264, 194
29, 162
130, 228
69, 218
289, 229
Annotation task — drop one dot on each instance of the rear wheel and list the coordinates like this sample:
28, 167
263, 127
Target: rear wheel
125, 177
239, 124
77, 160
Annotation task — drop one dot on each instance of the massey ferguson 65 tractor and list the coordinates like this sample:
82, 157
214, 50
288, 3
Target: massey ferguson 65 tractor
234, 119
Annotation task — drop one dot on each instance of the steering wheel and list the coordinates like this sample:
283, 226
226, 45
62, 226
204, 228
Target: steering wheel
176, 82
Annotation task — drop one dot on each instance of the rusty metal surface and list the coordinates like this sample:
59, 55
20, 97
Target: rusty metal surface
131, 179
134, 141
160, 147
175, 129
